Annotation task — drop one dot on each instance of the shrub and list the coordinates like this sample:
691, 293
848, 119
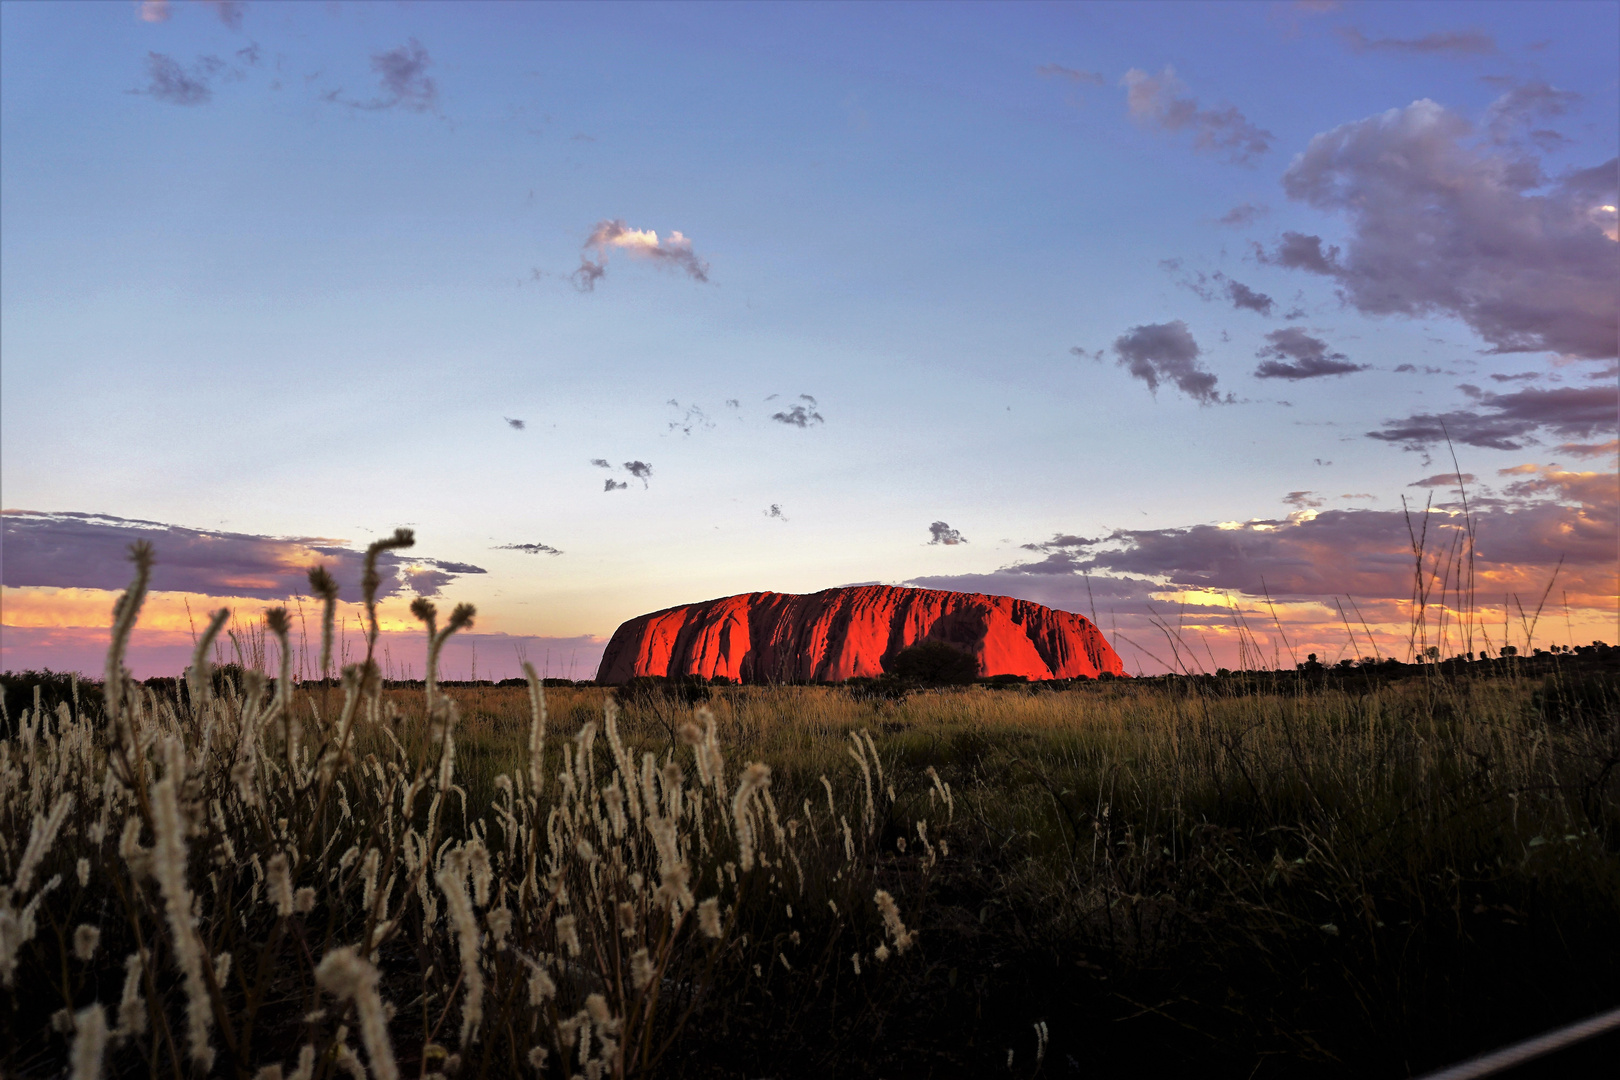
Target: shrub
934, 663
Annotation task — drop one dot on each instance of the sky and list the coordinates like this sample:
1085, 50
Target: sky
1163, 314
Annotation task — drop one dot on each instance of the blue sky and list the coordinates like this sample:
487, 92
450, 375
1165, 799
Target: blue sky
286, 271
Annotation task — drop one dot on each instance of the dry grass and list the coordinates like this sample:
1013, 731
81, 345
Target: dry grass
1360, 878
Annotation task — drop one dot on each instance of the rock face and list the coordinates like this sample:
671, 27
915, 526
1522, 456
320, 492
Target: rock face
839, 634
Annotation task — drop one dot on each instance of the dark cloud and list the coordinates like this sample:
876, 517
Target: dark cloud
530, 549
230, 12
1060, 541
614, 485
403, 78
601, 463
1095, 78
1300, 252
1456, 42
1159, 101
1244, 297
1523, 376
799, 416
168, 81
1510, 421
1296, 355
90, 551
641, 470
1411, 369
514, 424
1444, 480
775, 512
1303, 500
249, 54
1166, 351
1441, 223
674, 252
1243, 214
942, 533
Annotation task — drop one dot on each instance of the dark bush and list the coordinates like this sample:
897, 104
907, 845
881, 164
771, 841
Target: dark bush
934, 663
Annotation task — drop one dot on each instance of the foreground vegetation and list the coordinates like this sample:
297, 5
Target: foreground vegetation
1219, 877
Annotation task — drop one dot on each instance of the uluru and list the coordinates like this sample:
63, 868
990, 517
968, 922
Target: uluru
844, 633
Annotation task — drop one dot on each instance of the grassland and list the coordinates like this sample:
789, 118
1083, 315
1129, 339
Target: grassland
1300, 878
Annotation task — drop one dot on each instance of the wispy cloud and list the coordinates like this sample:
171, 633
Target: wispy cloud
1243, 214
1294, 354
674, 251
611, 484
73, 550
1509, 421
1167, 352
230, 12
1160, 101
530, 549
514, 423
941, 533
1444, 480
168, 81
1058, 71
1217, 285
1452, 42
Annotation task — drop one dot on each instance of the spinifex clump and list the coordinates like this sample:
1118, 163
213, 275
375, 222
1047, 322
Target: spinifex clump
253, 884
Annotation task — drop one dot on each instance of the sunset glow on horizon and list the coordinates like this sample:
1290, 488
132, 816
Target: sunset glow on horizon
1190, 319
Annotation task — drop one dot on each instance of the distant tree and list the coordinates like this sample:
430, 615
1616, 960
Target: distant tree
934, 663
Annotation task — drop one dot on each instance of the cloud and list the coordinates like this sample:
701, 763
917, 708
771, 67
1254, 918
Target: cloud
614, 485
402, 76
694, 419
1302, 500
168, 81
1590, 450
1244, 297
514, 424
1158, 101
1298, 251
1095, 78
675, 252
1443, 224
73, 550
601, 463
1241, 296
153, 11
1166, 351
1243, 214
799, 415
944, 534
1522, 104
1367, 553
775, 512
1454, 42
530, 549
1310, 357
1444, 480
1510, 421
1523, 376
641, 470
230, 12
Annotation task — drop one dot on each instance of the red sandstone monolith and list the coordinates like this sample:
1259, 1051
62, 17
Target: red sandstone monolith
837, 634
